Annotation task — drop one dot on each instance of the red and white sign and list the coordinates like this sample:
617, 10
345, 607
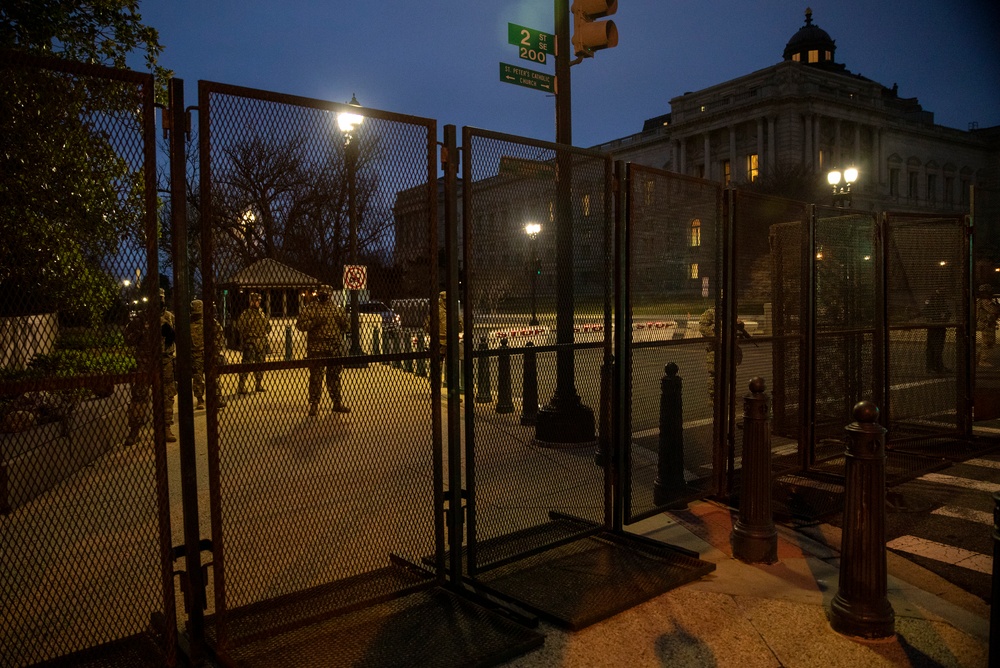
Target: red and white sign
355, 277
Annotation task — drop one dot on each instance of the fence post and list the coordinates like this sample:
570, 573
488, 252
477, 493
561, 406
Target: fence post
505, 403
421, 362
529, 391
994, 647
861, 607
754, 538
484, 389
407, 348
288, 342
376, 344
670, 457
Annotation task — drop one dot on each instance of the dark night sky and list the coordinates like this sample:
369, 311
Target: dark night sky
440, 58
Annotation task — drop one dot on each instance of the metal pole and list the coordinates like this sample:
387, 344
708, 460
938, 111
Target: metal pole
861, 607
505, 403
534, 280
754, 538
351, 155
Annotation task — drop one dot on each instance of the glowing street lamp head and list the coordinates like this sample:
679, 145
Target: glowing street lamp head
833, 178
851, 175
531, 229
346, 120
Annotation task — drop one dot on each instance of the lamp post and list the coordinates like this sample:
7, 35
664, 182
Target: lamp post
348, 122
841, 184
532, 230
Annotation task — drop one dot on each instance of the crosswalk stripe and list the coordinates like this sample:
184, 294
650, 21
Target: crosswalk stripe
948, 554
969, 514
955, 481
986, 463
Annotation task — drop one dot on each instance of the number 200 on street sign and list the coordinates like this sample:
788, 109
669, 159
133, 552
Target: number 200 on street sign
531, 44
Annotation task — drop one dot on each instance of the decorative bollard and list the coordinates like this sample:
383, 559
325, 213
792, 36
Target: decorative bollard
484, 390
408, 349
288, 342
421, 362
396, 339
670, 457
994, 647
505, 403
529, 390
861, 607
754, 538
376, 344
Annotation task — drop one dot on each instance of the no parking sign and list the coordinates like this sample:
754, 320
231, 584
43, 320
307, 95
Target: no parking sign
355, 277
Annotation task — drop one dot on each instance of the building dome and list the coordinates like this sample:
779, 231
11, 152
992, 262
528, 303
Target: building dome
811, 44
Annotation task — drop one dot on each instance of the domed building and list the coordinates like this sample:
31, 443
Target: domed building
791, 123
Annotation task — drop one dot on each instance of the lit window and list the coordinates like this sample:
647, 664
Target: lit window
693, 270
829, 56
695, 233
727, 172
648, 192
813, 56
821, 159
752, 168
796, 57
585, 204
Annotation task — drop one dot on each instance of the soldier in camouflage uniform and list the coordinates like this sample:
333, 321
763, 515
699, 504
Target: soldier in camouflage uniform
136, 335
707, 328
198, 353
253, 326
325, 324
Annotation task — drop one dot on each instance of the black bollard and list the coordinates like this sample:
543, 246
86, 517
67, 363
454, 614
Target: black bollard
484, 389
670, 458
396, 340
861, 607
994, 647
421, 362
529, 390
408, 349
288, 342
754, 538
376, 345
505, 403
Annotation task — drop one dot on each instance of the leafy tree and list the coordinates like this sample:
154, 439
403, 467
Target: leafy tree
71, 195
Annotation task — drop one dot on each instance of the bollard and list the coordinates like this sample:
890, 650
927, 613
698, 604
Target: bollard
861, 607
396, 341
505, 403
288, 342
376, 345
670, 456
408, 349
994, 647
529, 390
421, 362
754, 538
484, 391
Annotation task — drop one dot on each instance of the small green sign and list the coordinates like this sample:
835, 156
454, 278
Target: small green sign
531, 44
522, 76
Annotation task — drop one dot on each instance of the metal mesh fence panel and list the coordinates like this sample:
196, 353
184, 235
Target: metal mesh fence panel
84, 530
924, 260
674, 277
511, 287
986, 283
845, 284
768, 287
321, 260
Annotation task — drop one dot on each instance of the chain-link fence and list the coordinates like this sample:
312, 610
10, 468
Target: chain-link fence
84, 371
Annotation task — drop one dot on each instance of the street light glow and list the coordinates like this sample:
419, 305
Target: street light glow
347, 120
531, 229
851, 174
833, 178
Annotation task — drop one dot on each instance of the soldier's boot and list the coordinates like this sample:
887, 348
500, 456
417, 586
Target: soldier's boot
313, 408
133, 435
339, 407
201, 403
169, 433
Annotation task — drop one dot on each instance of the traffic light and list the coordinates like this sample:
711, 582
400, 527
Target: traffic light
588, 35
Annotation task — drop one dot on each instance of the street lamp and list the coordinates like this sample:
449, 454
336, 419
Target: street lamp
841, 184
532, 230
348, 122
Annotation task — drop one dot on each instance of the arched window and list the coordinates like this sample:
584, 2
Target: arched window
696, 233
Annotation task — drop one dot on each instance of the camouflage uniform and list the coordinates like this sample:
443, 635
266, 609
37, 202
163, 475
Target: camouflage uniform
198, 353
325, 324
707, 327
253, 326
987, 313
136, 335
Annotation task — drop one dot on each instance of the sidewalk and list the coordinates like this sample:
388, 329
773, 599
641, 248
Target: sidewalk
755, 615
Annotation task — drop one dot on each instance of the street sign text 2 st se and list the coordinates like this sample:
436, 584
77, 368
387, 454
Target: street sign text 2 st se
531, 44
527, 78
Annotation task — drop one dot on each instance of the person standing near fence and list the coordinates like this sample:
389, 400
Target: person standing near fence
198, 353
325, 324
253, 326
987, 314
443, 327
936, 311
707, 325
136, 333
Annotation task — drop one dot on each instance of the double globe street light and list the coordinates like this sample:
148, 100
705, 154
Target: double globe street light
841, 184
532, 230
348, 122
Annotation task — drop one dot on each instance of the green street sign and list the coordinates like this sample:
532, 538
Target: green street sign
522, 76
531, 44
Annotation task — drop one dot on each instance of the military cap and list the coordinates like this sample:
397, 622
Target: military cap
255, 296
324, 290
197, 306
